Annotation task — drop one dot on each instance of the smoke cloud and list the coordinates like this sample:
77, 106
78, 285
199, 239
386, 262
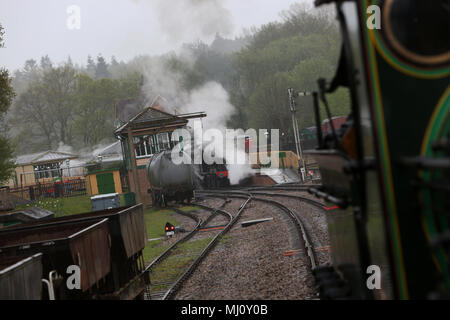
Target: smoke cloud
211, 98
190, 20
187, 21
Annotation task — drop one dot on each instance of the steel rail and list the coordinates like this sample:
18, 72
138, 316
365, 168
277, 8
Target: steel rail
166, 252
183, 239
178, 284
300, 226
214, 213
279, 186
301, 187
294, 217
313, 202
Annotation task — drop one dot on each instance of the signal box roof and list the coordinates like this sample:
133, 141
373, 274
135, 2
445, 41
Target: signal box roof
154, 119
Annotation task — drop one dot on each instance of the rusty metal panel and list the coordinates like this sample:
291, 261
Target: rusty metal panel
127, 237
127, 223
91, 251
132, 225
135, 232
141, 229
20, 279
84, 243
102, 262
126, 234
50, 233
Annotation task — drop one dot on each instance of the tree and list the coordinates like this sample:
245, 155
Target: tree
293, 53
94, 113
59, 89
90, 67
256, 70
114, 62
46, 63
60, 104
32, 108
101, 70
6, 91
6, 97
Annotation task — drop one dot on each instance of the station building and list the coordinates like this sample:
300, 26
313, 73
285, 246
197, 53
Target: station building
42, 167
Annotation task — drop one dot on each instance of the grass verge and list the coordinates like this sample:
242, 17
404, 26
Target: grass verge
155, 221
65, 206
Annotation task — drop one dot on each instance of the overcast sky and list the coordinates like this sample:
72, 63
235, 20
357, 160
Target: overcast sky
123, 28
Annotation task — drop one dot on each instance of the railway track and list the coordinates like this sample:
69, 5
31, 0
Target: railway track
173, 284
310, 224
283, 187
149, 295
313, 202
314, 220
291, 186
294, 217
170, 286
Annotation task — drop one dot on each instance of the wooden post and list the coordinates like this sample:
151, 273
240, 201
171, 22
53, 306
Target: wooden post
21, 182
133, 166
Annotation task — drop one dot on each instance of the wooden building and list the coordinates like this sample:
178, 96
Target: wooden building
144, 134
42, 167
105, 173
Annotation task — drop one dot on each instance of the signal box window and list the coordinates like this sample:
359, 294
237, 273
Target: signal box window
146, 146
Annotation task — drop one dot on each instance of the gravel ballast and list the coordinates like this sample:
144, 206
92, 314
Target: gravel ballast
251, 263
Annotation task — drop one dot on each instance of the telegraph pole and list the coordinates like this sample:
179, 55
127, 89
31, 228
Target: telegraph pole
303, 94
298, 145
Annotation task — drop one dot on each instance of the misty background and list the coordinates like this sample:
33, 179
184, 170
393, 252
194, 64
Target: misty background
232, 59
123, 28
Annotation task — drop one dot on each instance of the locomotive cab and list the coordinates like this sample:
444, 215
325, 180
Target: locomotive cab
385, 174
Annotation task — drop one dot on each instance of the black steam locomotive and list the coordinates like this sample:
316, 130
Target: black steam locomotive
385, 172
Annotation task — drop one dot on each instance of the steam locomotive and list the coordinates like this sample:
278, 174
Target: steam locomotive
170, 181
385, 172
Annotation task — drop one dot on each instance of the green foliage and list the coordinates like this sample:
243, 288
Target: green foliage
6, 163
6, 91
47, 105
64, 206
155, 220
59, 90
91, 67
6, 97
60, 104
94, 112
31, 108
294, 54
190, 77
76, 105
2, 32
101, 70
